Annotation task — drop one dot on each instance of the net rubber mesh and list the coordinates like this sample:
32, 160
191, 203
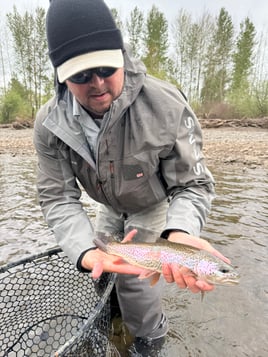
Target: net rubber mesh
49, 308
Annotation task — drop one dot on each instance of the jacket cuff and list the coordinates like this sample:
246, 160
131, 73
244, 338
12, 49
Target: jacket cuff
166, 233
79, 261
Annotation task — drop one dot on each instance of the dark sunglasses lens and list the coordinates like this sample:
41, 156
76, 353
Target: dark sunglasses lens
86, 76
81, 77
105, 72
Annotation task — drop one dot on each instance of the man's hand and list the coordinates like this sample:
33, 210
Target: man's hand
183, 277
99, 262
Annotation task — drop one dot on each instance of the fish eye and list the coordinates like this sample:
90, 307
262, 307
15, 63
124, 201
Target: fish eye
224, 270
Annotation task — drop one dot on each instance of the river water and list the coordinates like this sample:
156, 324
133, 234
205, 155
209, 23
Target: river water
231, 321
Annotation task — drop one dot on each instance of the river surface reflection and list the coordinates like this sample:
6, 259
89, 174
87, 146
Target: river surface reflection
231, 321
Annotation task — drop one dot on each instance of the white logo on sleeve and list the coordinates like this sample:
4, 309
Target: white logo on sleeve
190, 125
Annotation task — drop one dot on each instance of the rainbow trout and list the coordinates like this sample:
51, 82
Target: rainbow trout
151, 256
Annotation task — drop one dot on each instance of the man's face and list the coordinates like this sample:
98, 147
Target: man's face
97, 95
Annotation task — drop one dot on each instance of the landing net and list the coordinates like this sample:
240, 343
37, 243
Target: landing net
49, 308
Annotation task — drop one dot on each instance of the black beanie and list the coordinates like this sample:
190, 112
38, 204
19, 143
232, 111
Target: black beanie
77, 27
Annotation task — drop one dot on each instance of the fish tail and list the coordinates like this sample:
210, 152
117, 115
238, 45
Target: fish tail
101, 244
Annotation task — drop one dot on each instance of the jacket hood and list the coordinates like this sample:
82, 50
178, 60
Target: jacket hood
132, 64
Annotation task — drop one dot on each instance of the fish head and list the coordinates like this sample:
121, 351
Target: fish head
215, 271
222, 274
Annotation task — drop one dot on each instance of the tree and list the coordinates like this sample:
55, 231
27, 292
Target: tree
191, 41
3, 67
135, 28
243, 56
4, 57
180, 33
117, 19
260, 94
156, 43
205, 28
241, 94
219, 60
259, 78
260, 69
14, 102
203, 60
29, 40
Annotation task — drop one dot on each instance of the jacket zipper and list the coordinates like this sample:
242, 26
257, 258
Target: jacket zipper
99, 182
112, 178
98, 142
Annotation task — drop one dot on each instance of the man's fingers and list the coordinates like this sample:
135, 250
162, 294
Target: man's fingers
184, 278
199, 243
219, 255
97, 270
191, 284
207, 246
130, 236
178, 274
167, 273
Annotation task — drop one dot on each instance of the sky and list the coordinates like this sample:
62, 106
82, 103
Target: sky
256, 10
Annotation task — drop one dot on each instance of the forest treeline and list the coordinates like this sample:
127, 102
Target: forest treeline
223, 70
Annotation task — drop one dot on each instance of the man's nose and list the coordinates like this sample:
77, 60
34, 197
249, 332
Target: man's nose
96, 80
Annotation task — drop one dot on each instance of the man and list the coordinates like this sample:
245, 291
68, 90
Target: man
133, 143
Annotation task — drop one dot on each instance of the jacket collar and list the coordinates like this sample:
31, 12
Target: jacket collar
62, 122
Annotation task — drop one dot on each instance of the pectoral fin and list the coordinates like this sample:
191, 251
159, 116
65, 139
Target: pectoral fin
154, 276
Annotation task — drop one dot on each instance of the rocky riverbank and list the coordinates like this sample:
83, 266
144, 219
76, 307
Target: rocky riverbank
240, 146
224, 145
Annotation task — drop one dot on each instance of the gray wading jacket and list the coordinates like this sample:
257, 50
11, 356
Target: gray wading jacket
148, 150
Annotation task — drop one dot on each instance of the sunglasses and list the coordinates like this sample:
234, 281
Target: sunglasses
86, 76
